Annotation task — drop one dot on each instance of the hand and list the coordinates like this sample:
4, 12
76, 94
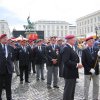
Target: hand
79, 65
13, 46
99, 53
54, 61
92, 71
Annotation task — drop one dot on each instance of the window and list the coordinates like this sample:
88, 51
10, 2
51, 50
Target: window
80, 23
65, 27
2, 26
2, 32
95, 19
57, 27
53, 27
88, 30
61, 33
85, 22
40, 27
57, 33
88, 21
65, 32
43, 26
91, 28
80, 31
74, 32
85, 30
48, 26
98, 18
91, 20
61, 27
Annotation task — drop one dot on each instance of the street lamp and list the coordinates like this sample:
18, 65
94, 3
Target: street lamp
96, 28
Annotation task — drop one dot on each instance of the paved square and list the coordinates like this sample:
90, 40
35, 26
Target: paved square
36, 90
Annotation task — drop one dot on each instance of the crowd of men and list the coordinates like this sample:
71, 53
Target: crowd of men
61, 60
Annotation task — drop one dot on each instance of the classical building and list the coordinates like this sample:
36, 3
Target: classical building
52, 28
89, 24
4, 28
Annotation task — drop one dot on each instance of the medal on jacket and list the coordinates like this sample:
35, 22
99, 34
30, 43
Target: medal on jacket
49, 50
57, 51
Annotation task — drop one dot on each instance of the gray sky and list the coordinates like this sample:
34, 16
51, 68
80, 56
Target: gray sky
17, 11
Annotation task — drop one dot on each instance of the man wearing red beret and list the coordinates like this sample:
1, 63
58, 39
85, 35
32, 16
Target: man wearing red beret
70, 71
89, 38
6, 67
91, 68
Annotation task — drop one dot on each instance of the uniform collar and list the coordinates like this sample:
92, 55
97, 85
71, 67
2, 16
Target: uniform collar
69, 45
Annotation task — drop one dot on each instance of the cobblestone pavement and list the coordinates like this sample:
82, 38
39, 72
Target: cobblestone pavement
38, 91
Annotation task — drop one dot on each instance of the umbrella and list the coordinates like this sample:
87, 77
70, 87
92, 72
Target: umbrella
20, 38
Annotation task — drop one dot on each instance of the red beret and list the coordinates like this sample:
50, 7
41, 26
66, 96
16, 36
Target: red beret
69, 36
3, 35
88, 38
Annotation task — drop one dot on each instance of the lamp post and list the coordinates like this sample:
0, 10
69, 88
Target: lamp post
96, 28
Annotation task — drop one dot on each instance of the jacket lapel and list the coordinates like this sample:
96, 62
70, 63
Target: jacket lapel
89, 52
1, 49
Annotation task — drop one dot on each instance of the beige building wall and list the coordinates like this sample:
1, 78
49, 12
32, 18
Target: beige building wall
88, 24
4, 28
53, 28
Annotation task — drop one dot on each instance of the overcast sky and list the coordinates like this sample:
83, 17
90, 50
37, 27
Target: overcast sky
17, 11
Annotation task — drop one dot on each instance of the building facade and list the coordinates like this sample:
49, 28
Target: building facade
4, 28
52, 28
89, 24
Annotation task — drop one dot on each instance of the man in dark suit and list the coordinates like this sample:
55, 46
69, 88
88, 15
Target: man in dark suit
40, 59
16, 62
31, 47
6, 66
71, 65
91, 68
23, 56
61, 46
52, 52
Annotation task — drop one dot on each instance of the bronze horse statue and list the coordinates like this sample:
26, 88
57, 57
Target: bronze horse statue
30, 25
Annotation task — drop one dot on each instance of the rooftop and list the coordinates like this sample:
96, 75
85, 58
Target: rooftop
89, 15
51, 22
